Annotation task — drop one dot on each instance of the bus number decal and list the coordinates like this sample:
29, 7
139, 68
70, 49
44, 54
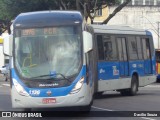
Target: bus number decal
34, 92
115, 71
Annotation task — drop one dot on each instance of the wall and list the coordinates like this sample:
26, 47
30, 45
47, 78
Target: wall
139, 17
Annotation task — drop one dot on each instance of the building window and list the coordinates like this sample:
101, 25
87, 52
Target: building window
99, 12
149, 2
158, 2
138, 2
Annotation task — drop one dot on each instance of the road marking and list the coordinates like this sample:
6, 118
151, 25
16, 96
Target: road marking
6, 85
146, 118
102, 108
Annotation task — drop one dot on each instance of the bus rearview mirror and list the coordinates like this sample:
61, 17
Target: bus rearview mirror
7, 45
87, 41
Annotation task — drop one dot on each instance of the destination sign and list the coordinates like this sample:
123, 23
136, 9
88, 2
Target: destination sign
39, 31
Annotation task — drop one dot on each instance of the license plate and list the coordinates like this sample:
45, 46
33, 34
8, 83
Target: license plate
48, 100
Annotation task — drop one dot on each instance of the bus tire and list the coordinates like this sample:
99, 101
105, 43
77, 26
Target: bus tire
86, 108
134, 86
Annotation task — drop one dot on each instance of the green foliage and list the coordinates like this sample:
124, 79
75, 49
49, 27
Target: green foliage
9, 9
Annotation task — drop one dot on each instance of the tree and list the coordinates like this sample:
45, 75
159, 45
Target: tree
9, 9
116, 11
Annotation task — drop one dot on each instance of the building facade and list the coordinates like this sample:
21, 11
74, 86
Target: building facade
1, 52
143, 14
100, 16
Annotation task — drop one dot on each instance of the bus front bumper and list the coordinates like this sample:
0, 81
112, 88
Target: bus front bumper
82, 98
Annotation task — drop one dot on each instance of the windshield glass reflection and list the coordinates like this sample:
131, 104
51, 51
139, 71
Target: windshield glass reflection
44, 51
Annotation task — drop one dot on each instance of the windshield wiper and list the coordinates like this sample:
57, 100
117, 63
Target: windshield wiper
64, 77
52, 76
47, 75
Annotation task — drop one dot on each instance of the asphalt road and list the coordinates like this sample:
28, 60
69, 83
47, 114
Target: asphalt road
147, 99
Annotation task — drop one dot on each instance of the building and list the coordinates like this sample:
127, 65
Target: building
3, 59
1, 52
143, 14
100, 16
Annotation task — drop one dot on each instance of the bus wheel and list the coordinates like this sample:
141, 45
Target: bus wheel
86, 108
134, 86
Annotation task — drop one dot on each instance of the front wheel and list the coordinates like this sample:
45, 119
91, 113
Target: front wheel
87, 108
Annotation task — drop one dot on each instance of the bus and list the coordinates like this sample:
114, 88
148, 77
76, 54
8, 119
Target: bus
158, 64
59, 61
124, 58
48, 67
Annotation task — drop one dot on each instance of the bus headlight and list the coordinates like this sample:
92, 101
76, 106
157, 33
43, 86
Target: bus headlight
78, 86
19, 88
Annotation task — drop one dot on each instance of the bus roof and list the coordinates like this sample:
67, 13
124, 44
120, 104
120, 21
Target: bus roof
47, 18
112, 29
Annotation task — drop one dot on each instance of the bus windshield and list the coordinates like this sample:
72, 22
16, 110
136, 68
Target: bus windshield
47, 51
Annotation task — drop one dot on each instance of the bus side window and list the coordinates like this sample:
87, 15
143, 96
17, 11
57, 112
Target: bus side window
146, 48
132, 46
100, 47
110, 49
139, 48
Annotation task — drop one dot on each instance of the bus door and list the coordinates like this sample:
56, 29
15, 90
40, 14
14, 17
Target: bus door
108, 65
123, 64
147, 56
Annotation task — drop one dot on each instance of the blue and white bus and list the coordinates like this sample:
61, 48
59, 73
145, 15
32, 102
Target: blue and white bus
57, 61
124, 58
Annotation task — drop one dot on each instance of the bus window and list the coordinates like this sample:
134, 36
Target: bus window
147, 55
132, 45
100, 47
146, 48
139, 48
122, 49
110, 50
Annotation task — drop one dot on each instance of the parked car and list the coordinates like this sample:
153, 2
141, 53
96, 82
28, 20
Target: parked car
5, 71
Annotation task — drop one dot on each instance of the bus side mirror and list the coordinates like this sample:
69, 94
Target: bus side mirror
87, 41
7, 45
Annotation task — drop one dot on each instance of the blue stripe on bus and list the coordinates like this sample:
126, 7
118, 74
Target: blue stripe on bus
113, 70
62, 91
